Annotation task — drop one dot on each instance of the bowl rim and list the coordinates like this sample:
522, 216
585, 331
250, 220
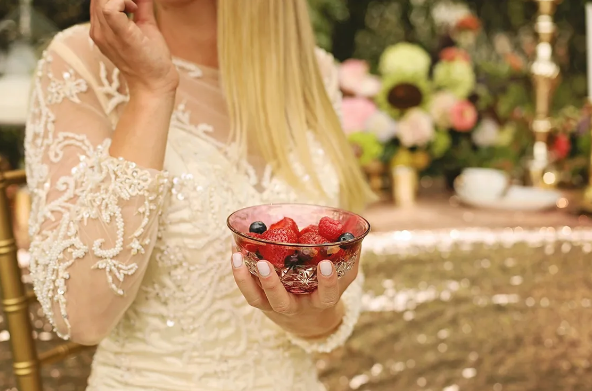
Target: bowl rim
302, 245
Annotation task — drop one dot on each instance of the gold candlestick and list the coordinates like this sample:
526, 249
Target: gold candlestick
545, 74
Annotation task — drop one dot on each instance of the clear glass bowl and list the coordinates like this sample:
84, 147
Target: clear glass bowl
298, 270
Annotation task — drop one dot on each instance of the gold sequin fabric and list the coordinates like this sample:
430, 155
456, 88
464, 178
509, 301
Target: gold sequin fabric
500, 310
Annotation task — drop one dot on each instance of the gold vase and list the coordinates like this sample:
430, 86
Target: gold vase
405, 182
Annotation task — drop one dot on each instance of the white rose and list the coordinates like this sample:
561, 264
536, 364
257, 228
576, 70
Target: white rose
487, 133
440, 107
416, 128
382, 126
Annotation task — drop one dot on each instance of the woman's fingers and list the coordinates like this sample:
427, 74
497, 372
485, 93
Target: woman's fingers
328, 293
114, 12
280, 300
248, 285
145, 12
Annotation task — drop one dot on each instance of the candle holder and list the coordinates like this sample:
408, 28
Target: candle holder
545, 75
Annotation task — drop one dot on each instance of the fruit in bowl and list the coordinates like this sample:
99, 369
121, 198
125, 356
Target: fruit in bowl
294, 238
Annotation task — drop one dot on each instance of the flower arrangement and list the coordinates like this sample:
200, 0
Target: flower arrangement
438, 113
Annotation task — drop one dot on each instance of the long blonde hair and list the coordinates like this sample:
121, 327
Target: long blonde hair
275, 91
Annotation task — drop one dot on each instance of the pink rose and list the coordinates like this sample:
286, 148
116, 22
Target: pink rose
356, 112
463, 116
354, 79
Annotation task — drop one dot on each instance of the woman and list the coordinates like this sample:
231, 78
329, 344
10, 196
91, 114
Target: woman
220, 94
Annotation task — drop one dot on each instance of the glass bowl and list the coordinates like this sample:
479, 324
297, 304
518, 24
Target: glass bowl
296, 264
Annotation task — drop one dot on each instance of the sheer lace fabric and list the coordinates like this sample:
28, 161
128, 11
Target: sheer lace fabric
139, 259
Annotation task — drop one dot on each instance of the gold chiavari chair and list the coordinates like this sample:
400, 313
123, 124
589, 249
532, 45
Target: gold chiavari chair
16, 299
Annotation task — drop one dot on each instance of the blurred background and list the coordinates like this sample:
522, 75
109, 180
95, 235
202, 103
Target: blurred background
474, 130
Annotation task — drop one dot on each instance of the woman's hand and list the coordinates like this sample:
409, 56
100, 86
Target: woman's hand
315, 315
136, 47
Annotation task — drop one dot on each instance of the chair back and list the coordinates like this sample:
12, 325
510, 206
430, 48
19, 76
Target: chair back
15, 300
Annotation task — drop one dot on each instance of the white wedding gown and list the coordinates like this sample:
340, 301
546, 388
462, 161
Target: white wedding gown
139, 260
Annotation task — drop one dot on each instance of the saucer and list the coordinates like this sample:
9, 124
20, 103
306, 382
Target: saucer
517, 198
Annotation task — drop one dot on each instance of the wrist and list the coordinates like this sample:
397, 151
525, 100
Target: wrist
321, 325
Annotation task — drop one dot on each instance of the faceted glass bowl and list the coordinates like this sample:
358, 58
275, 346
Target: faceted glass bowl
298, 271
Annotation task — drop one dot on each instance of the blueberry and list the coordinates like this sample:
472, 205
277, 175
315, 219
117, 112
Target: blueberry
292, 260
346, 237
257, 227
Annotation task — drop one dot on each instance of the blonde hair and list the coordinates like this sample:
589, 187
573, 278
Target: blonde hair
275, 91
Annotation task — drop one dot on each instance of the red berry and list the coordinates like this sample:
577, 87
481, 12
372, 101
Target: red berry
312, 238
276, 254
313, 253
330, 229
310, 228
250, 246
286, 223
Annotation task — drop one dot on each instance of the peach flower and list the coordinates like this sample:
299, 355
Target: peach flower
453, 54
463, 116
355, 79
356, 112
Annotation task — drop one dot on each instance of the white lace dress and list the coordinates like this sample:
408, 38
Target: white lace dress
138, 260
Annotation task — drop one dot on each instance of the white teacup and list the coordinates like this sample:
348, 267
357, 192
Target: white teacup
481, 183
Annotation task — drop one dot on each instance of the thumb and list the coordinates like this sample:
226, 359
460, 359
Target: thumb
145, 12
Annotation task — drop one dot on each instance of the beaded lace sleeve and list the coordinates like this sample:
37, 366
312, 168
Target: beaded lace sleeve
94, 217
352, 297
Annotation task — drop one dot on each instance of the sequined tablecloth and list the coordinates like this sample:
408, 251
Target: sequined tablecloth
448, 310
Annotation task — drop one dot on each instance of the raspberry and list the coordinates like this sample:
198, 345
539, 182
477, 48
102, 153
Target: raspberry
276, 254
286, 223
310, 228
330, 229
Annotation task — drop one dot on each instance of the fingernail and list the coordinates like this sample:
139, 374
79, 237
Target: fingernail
326, 268
263, 268
237, 260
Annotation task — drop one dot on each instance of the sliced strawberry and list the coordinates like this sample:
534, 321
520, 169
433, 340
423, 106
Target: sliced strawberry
276, 254
286, 223
330, 229
310, 228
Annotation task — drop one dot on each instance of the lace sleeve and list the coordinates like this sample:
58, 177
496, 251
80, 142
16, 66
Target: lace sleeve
330, 73
94, 217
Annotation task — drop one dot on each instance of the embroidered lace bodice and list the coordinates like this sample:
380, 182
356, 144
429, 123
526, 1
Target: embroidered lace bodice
146, 254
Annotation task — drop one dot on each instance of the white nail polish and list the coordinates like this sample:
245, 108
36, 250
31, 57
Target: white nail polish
326, 268
263, 268
237, 260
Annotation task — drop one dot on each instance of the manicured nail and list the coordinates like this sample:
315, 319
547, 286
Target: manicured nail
237, 260
326, 268
263, 268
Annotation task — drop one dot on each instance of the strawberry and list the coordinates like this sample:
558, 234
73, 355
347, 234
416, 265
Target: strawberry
310, 228
286, 223
276, 254
251, 246
330, 229
351, 225
313, 253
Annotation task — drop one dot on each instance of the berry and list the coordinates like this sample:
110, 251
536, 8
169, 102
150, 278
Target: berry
330, 229
310, 228
275, 254
251, 246
257, 227
344, 237
286, 223
312, 255
351, 225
